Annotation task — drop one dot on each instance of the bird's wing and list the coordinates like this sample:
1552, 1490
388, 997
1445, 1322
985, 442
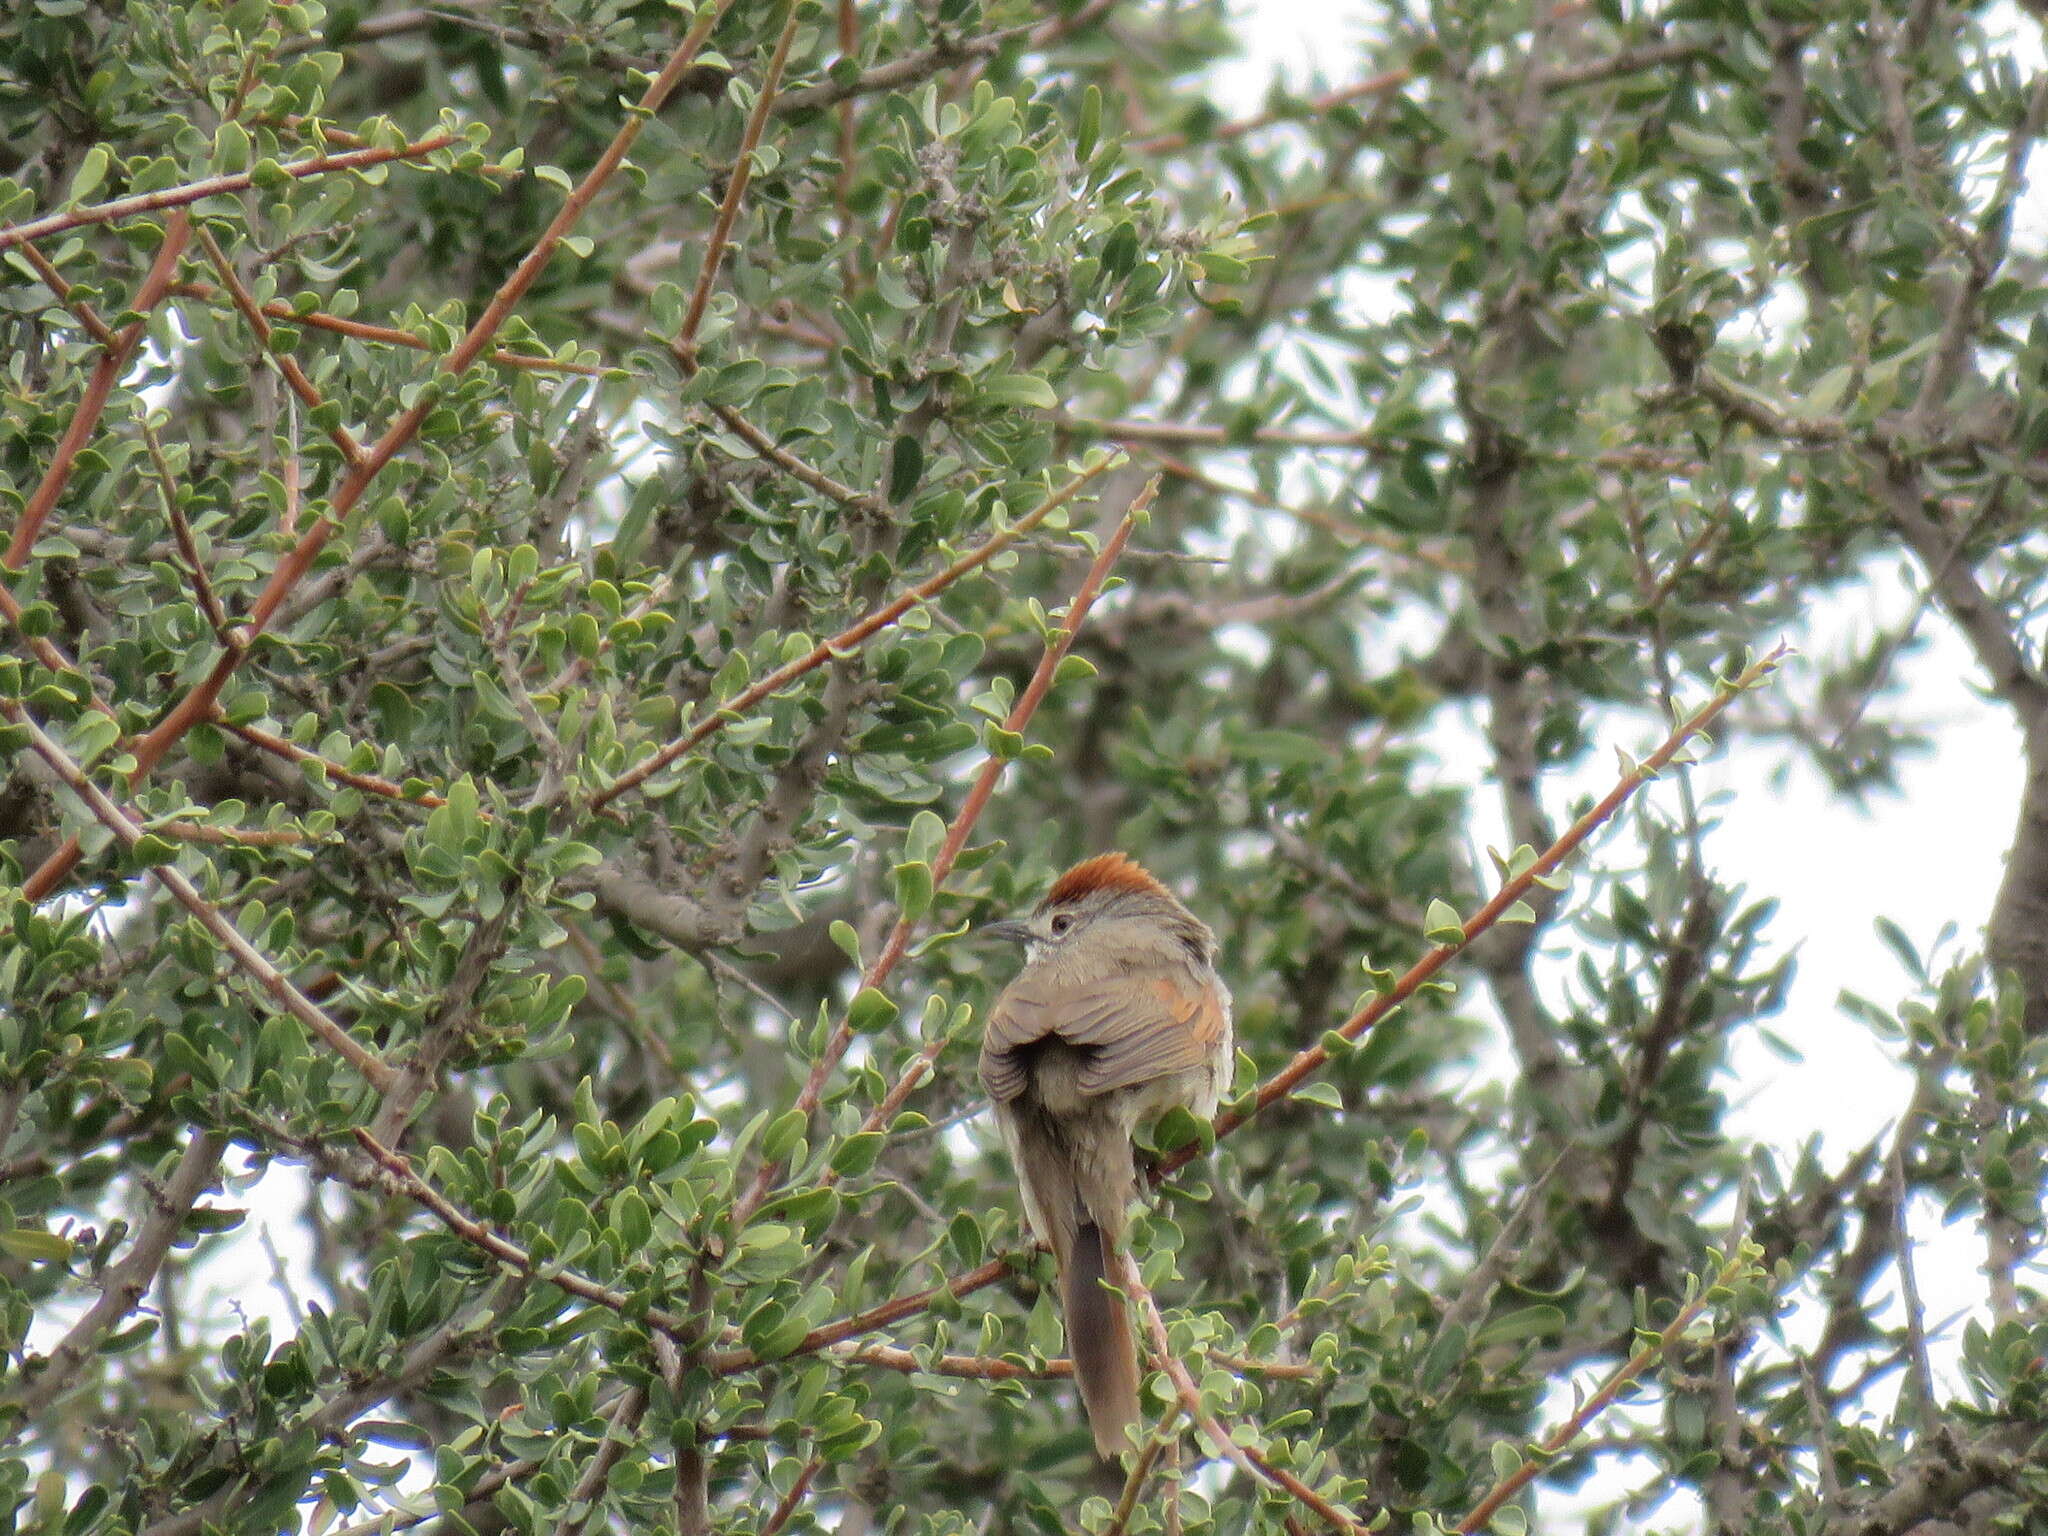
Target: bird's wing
1140, 1026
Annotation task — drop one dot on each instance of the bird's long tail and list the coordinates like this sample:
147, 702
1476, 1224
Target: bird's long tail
1099, 1337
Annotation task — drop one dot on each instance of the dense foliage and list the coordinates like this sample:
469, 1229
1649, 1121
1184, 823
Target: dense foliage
462, 843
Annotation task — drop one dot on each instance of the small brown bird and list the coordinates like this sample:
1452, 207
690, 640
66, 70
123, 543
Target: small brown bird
1118, 1015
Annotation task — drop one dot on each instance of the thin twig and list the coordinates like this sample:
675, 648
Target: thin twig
407, 1182
1918, 1390
1314, 517
213, 186
897, 944
1141, 1469
388, 335
61, 286
736, 184
985, 783
786, 1506
128, 1281
1321, 106
618, 1439
284, 362
181, 531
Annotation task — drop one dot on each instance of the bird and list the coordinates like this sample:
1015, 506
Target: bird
1117, 1016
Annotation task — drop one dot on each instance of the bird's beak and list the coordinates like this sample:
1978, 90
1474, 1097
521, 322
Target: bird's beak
1015, 932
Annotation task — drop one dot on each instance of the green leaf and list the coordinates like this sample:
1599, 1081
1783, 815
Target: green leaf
1018, 389
927, 835
783, 1134
906, 467
857, 1153
1535, 1322
1089, 127
1324, 1094
1441, 923
871, 1010
92, 170
913, 882
34, 1244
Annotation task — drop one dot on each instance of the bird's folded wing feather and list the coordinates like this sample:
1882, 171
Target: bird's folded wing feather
1141, 1027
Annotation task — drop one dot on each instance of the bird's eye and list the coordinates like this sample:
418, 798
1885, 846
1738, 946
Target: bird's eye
1061, 924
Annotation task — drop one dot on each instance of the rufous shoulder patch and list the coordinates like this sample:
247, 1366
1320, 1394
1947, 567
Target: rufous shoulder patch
1104, 872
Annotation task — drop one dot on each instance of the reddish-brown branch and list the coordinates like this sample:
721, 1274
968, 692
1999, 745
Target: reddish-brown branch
368, 783
846, 639
213, 186
1562, 1436
60, 285
273, 982
736, 186
391, 336
198, 703
788, 1504
1512, 890
107, 370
